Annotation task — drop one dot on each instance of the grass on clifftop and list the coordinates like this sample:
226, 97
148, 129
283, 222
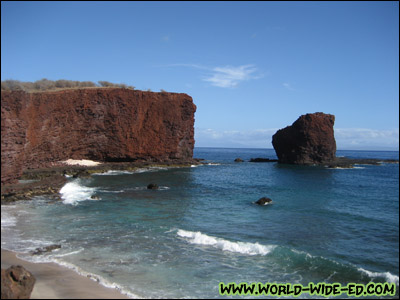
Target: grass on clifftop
44, 84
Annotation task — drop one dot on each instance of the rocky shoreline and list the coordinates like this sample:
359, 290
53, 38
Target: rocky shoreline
338, 162
49, 181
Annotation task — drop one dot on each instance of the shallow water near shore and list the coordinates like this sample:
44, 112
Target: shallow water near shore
201, 227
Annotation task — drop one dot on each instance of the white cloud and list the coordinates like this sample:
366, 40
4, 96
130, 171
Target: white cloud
257, 138
346, 138
229, 76
364, 138
225, 77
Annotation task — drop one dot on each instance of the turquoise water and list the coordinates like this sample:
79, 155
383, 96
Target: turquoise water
201, 227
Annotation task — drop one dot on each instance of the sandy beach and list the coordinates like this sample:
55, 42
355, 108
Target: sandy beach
56, 282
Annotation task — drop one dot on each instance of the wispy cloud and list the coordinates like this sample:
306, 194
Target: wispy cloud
226, 76
257, 138
229, 76
364, 138
288, 86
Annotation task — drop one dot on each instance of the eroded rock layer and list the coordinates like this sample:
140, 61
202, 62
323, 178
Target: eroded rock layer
104, 124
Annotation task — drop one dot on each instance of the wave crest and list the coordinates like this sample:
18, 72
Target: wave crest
73, 192
225, 245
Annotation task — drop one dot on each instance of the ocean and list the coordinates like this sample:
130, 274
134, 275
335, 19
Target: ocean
201, 227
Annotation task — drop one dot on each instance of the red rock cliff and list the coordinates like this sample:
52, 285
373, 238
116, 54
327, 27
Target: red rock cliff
105, 124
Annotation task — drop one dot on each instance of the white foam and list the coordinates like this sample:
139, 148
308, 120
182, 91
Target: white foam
97, 278
115, 172
7, 220
225, 245
73, 192
125, 172
389, 277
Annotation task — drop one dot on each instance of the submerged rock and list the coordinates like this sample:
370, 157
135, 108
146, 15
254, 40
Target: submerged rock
42, 250
16, 283
309, 140
261, 159
264, 201
238, 160
152, 186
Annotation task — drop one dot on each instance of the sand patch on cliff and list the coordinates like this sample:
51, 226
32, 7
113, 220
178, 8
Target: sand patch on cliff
81, 162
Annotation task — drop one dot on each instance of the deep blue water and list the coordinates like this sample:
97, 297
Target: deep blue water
201, 227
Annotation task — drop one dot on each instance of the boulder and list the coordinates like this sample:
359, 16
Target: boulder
238, 160
263, 201
46, 249
309, 140
152, 186
16, 283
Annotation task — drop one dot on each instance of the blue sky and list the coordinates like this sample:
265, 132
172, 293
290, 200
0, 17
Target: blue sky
251, 67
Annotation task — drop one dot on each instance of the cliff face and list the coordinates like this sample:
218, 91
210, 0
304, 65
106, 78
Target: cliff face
110, 124
309, 140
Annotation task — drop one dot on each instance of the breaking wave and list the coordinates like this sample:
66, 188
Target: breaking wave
225, 245
73, 193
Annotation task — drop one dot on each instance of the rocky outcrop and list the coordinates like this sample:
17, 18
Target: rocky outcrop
264, 201
309, 140
262, 159
152, 186
103, 124
16, 283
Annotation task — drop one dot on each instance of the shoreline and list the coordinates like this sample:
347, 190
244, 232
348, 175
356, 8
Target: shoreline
57, 282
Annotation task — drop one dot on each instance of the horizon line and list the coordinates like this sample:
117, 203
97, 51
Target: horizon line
227, 147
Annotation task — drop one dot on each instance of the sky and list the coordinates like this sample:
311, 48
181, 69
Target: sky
250, 67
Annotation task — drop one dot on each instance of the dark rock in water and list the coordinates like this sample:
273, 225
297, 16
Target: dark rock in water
263, 201
81, 173
16, 283
260, 159
94, 197
309, 140
42, 250
238, 160
152, 186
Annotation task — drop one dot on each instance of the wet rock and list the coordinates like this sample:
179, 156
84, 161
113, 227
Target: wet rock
16, 283
152, 186
238, 160
260, 159
264, 201
46, 249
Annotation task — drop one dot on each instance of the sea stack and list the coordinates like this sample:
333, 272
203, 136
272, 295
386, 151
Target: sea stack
309, 140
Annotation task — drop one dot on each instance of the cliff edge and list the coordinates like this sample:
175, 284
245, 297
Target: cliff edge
103, 124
